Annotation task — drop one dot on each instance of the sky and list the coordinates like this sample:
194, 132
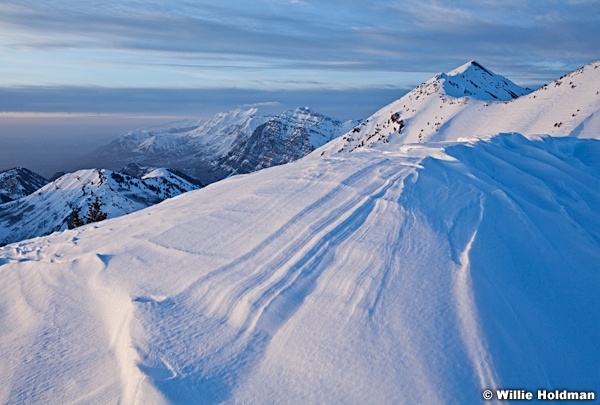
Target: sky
118, 64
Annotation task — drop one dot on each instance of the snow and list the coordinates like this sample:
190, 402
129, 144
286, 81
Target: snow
404, 272
49, 209
19, 182
204, 148
438, 111
474, 80
160, 172
422, 276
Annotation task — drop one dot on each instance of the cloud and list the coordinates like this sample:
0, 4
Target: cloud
79, 102
263, 104
284, 43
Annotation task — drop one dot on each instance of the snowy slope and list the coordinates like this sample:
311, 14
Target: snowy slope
471, 101
566, 107
237, 141
474, 80
420, 275
19, 182
212, 137
282, 139
49, 209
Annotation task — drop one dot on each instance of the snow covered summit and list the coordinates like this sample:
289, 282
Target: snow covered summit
49, 209
238, 141
18, 182
474, 80
422, 112
460, 105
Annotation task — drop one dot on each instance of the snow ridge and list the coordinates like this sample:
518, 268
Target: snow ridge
49, 209
449, 107
468, 317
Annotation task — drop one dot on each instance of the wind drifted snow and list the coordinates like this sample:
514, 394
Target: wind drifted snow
422, 275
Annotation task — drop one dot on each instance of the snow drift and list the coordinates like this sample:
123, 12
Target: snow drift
424, 275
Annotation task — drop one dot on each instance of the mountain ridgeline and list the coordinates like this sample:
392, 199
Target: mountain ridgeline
234, 142
50, 208
19, 182
473, 102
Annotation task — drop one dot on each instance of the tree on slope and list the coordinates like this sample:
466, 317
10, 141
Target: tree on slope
75, 220
94, 214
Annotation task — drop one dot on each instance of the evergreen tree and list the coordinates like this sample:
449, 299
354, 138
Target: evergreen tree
76, 220
95, 214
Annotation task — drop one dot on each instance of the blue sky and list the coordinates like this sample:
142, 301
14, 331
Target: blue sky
92, 50
117, 65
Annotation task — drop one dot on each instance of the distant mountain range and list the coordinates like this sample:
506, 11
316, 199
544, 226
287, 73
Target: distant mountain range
240, 141
234, 142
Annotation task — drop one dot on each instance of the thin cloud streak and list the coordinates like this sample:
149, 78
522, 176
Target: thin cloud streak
195, 103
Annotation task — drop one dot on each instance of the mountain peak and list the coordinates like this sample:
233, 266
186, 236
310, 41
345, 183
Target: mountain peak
474, 80
49, 208
472, 65
18, 182
472, 101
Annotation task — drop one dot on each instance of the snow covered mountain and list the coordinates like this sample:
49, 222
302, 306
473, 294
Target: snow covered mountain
19, 182
238, 141
473, 80
421, 273
474, 102
49, 209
